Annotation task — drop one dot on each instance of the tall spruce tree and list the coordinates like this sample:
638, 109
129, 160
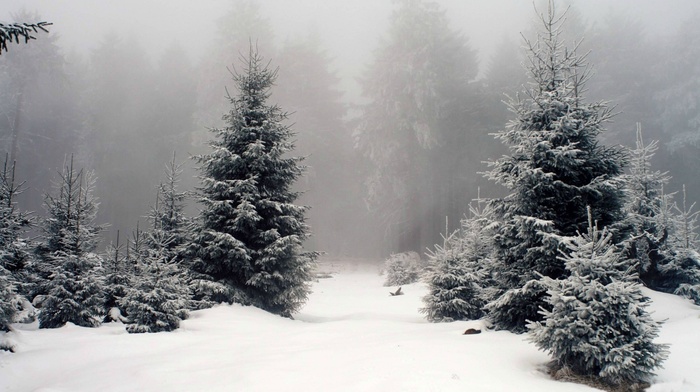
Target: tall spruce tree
73, 287
596, 324
556, 168
250, 240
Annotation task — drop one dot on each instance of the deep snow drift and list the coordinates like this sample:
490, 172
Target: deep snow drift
351, 336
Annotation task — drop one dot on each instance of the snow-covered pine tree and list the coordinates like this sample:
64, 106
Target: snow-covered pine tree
649, 216
136, 247
156, 299
170, 228
661, 232
73, 287
250, 241
687, 236
75, 292
457, 280
14, 249
7, 307
683, 272
70, 225
14, 224
596, 324
167, 215
117, 276
556, 169
7, 296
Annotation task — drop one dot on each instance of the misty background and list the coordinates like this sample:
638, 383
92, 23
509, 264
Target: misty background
393, 102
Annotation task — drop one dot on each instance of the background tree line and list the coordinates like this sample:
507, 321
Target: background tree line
385, 169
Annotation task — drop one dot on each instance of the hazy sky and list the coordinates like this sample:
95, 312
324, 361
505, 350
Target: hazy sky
349, 29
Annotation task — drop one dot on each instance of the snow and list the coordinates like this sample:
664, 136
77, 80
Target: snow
351, 336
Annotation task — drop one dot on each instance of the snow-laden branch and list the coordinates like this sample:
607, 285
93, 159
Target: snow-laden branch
13, 32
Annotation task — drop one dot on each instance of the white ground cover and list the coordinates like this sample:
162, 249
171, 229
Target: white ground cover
351, 336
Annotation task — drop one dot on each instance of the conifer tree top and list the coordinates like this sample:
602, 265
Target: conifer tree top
555, 156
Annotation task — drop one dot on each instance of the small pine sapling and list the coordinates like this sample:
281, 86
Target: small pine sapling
156, 300
14, 253
7, 309
73, 288
117, 275
663, 236
649, 218
14, 224
453, 289
75, 292
596, 326
7, 295
136, 248
456, 275
167, 215
687, 266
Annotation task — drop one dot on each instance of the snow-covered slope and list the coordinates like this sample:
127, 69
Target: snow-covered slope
351, 336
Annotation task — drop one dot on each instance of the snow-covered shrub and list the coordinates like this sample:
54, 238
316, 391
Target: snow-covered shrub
402, 268
596, 324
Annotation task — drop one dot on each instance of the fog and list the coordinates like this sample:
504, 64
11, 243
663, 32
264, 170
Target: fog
348, 30
124, 84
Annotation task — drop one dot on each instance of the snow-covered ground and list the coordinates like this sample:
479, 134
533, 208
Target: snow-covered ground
351, 336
